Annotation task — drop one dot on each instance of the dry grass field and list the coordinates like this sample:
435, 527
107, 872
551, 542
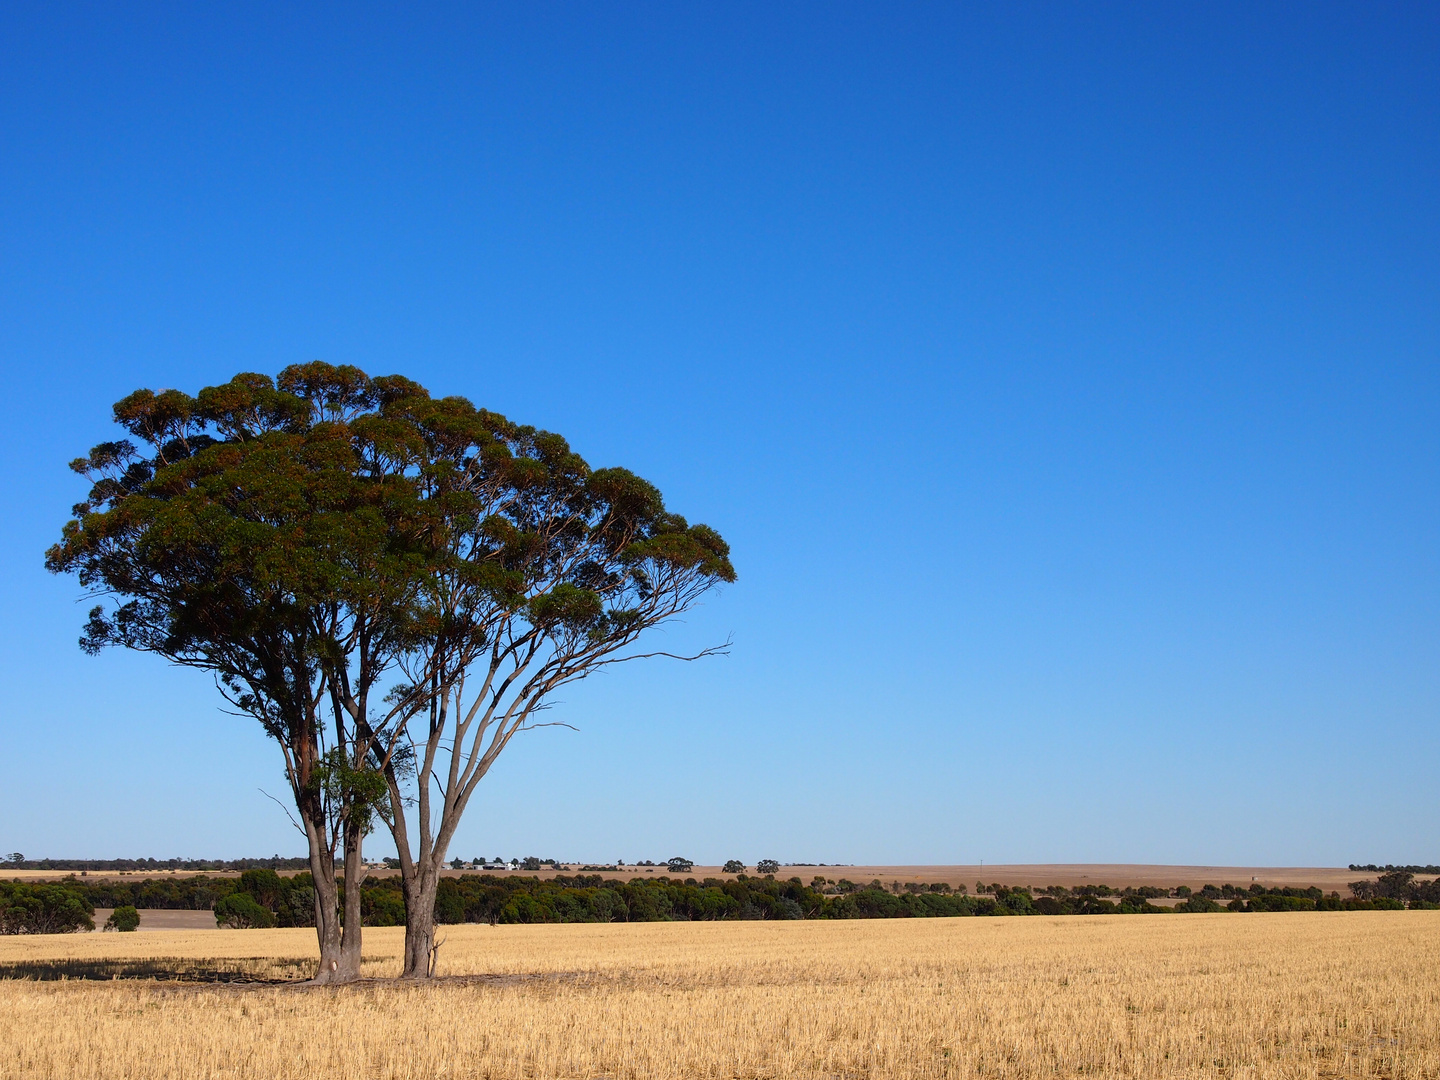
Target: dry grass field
1345, 994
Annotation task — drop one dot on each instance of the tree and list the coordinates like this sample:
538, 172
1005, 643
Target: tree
545, 572
43, 909
241, 911
392, 585
767, 866
734, 866
124, 919
268, 534
679, 865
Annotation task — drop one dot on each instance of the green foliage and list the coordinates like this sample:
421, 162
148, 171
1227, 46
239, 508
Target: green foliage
289, 901
767, 866
47, 908
124, 919
358, 790
240, 911
1198, 904
382, 907
734, 866
1017, 900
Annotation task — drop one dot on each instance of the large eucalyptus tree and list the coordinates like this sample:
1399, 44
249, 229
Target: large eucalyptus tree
393, 585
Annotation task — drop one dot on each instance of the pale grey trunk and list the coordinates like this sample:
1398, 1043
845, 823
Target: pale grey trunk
420, 887
339, 938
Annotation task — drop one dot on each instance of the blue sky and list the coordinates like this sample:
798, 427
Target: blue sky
1064, 378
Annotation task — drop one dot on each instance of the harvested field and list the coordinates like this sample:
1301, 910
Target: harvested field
1346, 994
162, 919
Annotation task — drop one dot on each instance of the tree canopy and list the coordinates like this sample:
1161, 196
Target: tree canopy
348, 555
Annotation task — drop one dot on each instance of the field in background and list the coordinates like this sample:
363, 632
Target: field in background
1305, 995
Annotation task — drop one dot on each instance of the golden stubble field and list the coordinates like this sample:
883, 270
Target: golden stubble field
1344, 994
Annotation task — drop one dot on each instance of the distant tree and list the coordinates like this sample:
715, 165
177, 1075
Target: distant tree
530, 862
767, 866
456, 863
786, 908
679, 865
1198, 903
43, 909
1395, 884
1364, 890
124, 919
240, 911
734, 866
264, 886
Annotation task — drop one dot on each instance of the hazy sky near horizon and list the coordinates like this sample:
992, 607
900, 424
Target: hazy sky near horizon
1064, 378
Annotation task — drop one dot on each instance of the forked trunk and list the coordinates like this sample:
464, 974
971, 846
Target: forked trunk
340, 939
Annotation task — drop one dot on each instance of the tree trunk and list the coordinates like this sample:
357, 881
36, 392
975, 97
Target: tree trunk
420, 886
349, 965
340, 939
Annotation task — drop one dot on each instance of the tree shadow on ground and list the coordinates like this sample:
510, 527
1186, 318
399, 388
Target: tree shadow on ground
268, 971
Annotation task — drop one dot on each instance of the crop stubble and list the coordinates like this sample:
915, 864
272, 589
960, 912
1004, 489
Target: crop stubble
1344, 994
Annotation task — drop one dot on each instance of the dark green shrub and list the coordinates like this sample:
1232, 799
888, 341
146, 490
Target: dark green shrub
1139, 905
124, 919
1198, 904
1280, 902
385, 907
785, 908
299, 910
1017, 900
239, 911
265, 887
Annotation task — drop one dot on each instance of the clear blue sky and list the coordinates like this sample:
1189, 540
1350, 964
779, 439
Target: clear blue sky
1064, 377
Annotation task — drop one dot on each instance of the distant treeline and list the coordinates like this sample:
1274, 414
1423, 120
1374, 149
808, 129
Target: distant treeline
1388, 869
275, 862
260, 897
